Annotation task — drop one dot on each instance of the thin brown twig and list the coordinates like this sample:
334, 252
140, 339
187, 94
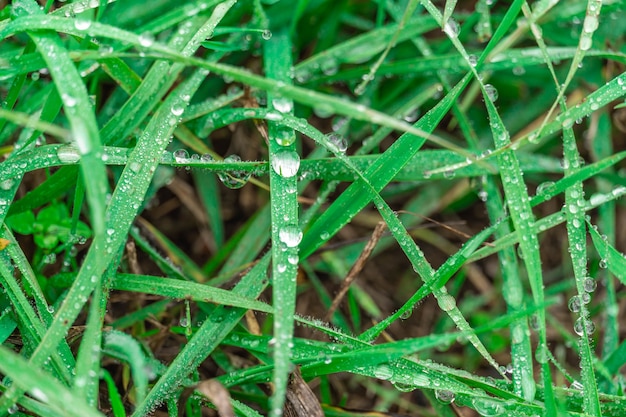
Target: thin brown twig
356, 268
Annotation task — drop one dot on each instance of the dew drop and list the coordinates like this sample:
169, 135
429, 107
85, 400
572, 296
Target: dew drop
590, 285
181, 155
234, 179
146, 39
445, 396
283, 105
290, 235
446, 302
266, 34
487, 408
68, 100
383, 372
574, 304
492, 92
177, 110
452, 28
286, 163
338, 142
581, 325
68, 154
82, 24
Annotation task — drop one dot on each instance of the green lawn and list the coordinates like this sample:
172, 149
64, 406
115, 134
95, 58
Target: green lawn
312, 207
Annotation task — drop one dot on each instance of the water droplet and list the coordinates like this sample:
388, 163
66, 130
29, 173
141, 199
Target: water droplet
234, 178
283, 105
383, 372
487, 407
574, 304
590, 284
603, 264
68, 100
452, 28
338, 142
473, 60
286, 163
293, 259
181, 156
135, 166
329, 66
266, 34
444, 396
290, 235
177, 110
492, 92
206, 158
281, 268
68, 154
446, 302
581, 325
324, 235
406, 314
82, 24
146, 39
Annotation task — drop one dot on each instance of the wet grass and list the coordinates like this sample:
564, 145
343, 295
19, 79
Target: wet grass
236, 207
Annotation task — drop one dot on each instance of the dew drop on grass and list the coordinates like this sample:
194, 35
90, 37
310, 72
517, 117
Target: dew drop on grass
285, 137
146, 39
266, 34
446, 302
68, 154
181, 155
487, 408
281, 268
329, 66
338, 142
444, 396
135, 166
473, 60
286, 163
452, 28
581, 325
177, 110
82, 24
206, 158
492, 92
324, 235
68, 100
383, 372
574, 304
283, 105
290, 235
589, 284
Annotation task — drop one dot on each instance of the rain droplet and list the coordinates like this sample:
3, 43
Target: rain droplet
82, 24
235, 178
286, 163
491, 91
206, 158
581, 325
486, 407
68, 100
285, 137
452, 28
181, 156
177, 110
574, 304
68, 154
383, 372
146, 39
446, 302
283, 105
338, 142
290, 235
590, 284
444, 396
